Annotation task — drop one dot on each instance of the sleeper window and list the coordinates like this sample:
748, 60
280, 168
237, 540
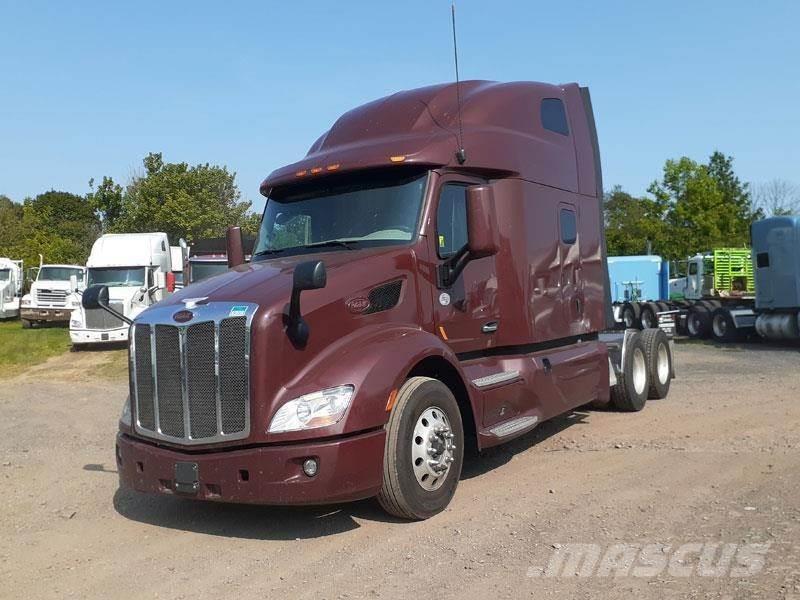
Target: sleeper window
554, 117
569, 226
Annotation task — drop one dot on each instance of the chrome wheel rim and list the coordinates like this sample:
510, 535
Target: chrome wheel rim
432, 448
720, 326
639, 371
662, 363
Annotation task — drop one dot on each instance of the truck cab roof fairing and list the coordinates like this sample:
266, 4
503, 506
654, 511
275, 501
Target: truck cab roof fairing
503, 134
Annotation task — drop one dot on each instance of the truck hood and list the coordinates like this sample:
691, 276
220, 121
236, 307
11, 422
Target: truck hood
269, 283
46, 284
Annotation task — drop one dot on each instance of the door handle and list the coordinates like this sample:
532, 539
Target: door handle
489, 327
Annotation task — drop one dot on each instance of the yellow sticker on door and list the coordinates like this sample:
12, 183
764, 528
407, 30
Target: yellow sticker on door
441, 241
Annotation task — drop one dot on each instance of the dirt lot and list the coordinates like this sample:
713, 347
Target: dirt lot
718, 462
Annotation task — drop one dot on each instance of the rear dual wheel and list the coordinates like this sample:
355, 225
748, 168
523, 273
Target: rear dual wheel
633, 380
659, 362
424, 450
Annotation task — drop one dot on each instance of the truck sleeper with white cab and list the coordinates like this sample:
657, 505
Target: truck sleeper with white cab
134, 267
54, 294
10, 287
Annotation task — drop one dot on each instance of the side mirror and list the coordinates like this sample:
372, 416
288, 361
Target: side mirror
481, 234
73, 283
235, 247
481, 221
309, 275
161, 280
96, 296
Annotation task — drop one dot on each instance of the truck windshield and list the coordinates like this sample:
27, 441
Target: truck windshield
374, 210
117, 276
59, 274
205, 269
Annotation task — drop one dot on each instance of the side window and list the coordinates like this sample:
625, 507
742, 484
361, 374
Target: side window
569, 226
554, 117
762, 260
451, 219
150, 278
692, 268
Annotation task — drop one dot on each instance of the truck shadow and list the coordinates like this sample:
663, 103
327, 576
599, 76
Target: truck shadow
492, 458
302, 522
247, 521
751, 344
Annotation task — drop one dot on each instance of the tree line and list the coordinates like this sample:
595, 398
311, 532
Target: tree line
190, 202
693, 207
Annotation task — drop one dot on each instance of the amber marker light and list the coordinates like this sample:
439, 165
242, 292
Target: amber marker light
442, 332
301, 173
332, 167
391, 401
396, 159
316, 170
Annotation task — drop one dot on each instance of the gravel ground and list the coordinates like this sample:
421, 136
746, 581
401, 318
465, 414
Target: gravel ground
715, 466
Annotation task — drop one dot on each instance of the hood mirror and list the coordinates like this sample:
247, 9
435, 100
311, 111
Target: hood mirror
96, 296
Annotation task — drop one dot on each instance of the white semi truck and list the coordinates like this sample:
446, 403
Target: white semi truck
10, 287
134, 267
54, 294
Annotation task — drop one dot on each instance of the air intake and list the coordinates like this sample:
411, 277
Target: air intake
384, 296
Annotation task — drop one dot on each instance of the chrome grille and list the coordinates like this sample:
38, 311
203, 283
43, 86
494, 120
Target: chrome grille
97, 318
54, 297
191, 381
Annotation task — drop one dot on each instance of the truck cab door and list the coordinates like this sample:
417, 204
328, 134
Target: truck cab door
694, 278
466, 314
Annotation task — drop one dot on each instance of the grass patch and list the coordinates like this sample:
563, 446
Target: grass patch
22, 348
115, 365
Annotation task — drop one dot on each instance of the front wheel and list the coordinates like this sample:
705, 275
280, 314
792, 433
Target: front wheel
424, 450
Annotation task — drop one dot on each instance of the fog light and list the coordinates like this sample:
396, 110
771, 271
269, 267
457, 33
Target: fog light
310, 467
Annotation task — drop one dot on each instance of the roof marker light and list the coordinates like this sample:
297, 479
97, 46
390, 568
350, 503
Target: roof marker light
333, 167
301, 173
316, 170
399, 158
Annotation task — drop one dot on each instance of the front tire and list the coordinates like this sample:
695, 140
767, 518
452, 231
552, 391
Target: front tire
424, 450
26, 324
723, 329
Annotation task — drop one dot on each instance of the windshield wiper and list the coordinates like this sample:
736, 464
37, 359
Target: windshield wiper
270, 251
340, 243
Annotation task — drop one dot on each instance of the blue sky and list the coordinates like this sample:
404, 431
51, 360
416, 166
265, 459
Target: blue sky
88, 88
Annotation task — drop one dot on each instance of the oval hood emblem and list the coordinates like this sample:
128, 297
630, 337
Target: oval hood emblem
183, 316
358, 305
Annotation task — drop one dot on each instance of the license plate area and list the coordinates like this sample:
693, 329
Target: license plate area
186, 478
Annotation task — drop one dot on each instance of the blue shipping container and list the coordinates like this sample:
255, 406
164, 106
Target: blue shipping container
644, 276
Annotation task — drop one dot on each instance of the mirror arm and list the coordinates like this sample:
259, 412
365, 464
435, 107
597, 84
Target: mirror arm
110, 310
450, 269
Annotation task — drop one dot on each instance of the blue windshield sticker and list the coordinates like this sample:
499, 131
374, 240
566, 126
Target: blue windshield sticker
238, 311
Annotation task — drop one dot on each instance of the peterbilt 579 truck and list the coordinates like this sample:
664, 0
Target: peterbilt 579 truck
408, 295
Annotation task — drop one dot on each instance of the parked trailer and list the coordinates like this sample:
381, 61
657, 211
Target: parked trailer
54, 294
639, 288
406, 297
10, 287
133, 267
716, 279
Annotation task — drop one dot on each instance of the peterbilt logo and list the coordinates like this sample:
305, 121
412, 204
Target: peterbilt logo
358, 305
183, 316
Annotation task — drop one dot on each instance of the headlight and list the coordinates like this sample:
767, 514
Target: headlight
74, 303
126, 412
319, 409
25, 301
76, 319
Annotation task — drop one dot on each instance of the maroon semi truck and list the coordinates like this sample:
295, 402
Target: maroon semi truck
411, 292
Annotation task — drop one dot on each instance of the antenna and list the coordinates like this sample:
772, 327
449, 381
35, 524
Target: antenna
461, 154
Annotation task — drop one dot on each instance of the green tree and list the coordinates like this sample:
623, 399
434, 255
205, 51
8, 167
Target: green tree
633, 222
106, 200
698, 217
59, 225
10, 226
735, 195
192, 202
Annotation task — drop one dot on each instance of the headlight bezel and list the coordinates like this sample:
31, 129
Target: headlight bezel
320, 409
126, 418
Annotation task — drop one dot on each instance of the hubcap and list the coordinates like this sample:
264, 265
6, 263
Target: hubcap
720, 326
663, 364
639, 371
432, 448
628, 318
